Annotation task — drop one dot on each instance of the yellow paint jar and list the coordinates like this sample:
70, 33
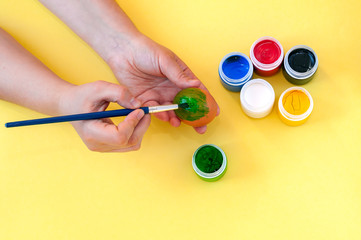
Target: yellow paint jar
295, 106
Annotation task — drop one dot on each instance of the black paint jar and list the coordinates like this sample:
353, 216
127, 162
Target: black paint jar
300, 64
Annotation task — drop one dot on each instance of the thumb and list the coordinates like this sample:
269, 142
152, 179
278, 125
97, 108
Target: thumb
177, 71
110, 92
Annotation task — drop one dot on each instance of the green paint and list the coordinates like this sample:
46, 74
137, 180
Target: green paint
197, 104
208, 159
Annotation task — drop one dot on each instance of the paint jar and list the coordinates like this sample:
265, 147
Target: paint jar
266, 55
300, 64
257, 98
235, 69
209, 162
295, 106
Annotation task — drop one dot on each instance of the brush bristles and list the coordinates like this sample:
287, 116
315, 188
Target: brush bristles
183, 105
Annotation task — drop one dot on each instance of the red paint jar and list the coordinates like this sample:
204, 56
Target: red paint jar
266, 55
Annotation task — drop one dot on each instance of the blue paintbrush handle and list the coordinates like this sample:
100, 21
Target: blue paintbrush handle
75, 117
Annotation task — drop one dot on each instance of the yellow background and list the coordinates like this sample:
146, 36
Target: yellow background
282, 182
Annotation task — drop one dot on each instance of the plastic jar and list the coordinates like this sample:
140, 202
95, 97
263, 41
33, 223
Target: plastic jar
300, 64
295, 106
209, 162
235, 69
257, 98
266, 55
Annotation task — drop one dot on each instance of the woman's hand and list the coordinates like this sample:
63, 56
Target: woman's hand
153, 74
103, 135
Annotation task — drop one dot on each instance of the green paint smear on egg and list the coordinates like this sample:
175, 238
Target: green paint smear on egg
197, 104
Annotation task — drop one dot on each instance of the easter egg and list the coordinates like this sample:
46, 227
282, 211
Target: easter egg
198, 107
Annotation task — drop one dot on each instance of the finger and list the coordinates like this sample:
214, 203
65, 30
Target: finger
173, 119
139, 131
128, 127
177, 71
163, 116
168, 116
128, 149
105, 91
98, 135
109, 138
105, 136
201, 130
104, 139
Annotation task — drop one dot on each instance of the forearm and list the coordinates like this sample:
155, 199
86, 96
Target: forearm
101, 23
24, 80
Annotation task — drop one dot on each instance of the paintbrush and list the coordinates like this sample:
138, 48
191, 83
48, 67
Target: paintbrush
94, 115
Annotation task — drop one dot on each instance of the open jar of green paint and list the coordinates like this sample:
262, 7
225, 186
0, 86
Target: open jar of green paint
209, 162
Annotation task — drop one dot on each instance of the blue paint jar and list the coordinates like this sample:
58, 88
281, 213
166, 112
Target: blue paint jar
235, 70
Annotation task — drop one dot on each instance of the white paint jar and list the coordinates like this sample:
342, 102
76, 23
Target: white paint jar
257, 98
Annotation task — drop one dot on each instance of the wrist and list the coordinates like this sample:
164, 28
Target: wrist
126, 50
100, 23
65, 101
117, 43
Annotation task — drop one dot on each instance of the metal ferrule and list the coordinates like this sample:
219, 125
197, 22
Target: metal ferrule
163, 108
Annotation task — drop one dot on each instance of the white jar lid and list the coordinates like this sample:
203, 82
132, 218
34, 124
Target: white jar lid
257, 98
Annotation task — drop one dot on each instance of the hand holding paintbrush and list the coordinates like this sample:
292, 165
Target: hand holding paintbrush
146, 71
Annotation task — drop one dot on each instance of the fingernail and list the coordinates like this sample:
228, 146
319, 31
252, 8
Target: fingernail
140, 115
194, 82
135, 102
